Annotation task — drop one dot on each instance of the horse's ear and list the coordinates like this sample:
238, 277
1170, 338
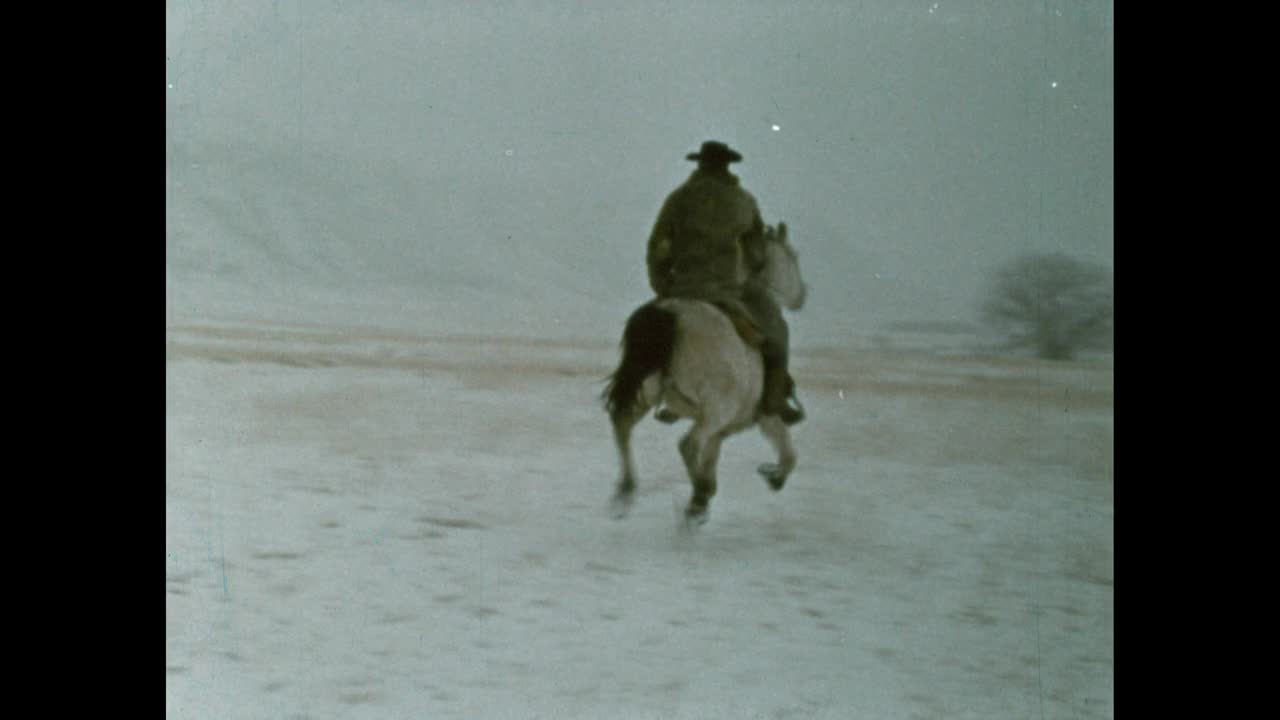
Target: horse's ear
782, 232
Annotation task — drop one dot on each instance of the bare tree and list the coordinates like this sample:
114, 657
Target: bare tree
1053, 303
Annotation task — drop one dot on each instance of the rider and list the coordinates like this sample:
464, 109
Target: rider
706, 243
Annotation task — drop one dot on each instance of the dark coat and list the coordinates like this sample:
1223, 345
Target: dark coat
708, 239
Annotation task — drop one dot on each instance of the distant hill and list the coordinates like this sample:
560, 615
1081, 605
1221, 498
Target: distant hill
299, 232
295, 231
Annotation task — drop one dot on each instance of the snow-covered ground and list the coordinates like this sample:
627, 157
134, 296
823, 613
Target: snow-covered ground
401, 242
368, 522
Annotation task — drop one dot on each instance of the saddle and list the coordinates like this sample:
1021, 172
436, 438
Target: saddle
751, 334
742, 322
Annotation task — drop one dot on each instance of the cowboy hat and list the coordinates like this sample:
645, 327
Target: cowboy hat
713, 151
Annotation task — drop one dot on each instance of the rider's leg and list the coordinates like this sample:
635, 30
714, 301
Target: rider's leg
777, 385
777, 381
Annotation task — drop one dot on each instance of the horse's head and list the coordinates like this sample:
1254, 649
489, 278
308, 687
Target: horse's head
781, 273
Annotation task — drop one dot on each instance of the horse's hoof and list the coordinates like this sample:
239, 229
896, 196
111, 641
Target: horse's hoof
620, 505
693, 522
695, 516
664, 415
774, 475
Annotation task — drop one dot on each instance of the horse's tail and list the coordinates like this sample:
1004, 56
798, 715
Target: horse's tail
647, 344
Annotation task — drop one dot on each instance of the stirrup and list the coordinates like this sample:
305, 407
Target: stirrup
791, 415
665, 415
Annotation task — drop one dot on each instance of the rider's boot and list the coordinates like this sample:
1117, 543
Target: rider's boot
777, 389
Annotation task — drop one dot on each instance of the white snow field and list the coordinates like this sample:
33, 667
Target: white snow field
401, 243
367, 522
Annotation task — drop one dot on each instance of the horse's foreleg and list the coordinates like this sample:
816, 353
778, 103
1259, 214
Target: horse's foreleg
780, 438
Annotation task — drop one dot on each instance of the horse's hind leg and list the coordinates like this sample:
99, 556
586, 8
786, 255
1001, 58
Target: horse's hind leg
700, 449
623, 423
780, 437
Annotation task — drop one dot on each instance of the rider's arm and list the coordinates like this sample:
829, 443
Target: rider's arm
658, 256
753, 246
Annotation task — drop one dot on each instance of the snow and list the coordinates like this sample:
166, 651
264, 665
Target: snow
397, 266
366, 522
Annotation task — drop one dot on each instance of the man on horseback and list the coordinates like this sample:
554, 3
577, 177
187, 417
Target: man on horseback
707, 243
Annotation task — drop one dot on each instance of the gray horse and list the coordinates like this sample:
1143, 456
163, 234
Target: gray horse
689, 357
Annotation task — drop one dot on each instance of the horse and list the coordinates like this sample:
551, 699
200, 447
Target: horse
691, 359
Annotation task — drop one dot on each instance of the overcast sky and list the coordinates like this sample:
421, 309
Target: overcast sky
910, 146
